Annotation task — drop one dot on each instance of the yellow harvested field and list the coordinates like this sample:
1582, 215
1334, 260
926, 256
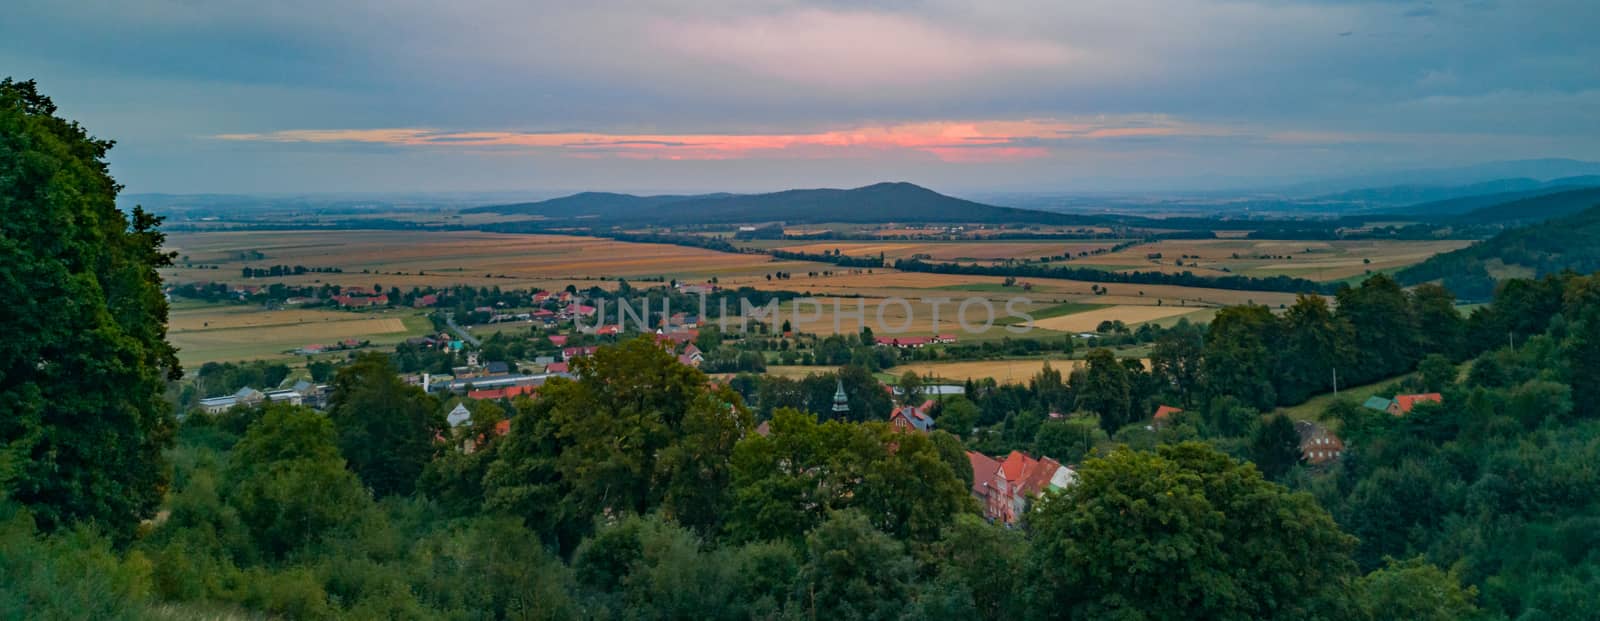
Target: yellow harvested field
1003, 371
913, 317
1087, 321
1314, 260
443, 258
954, 250
207, 333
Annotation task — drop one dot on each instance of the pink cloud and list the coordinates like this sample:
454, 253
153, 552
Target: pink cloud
954, 141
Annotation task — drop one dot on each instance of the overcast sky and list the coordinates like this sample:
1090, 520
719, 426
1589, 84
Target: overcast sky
413, 95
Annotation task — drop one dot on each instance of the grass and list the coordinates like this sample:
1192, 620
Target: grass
1313, 407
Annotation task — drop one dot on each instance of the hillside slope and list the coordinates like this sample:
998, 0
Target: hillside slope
1568, 242
881, 202
1534, 209
1466, 204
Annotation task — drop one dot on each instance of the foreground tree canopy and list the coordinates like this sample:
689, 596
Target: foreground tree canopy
85, 360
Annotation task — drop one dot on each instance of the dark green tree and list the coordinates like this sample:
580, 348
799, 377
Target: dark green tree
1239, 355
289, 484
853, 571
1184, 533
1275, 447
387, 428
83, 373
1106, 390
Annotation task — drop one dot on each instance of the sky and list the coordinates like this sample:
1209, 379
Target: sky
302, 96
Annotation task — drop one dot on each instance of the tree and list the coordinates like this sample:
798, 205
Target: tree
852, 571
911, 388
1275, 447
289, 484
1069, 440
1185, 532
1436, 372
1176, 360
1413, 590
1316, 344
1387, 336
387, 428
958, 415
1440, 327
1238, 359
83, 373
986, 561
1105, 390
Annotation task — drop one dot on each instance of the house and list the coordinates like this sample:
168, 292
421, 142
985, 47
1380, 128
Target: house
425, 301
509, 392
359, 301
1378, 403
694, 354
1165, 413
1404, 403
540, 297
497, 368
764, 429
677, 337
471, 445
559, 340
557, 367
285, 395
913, 417
1005, 488
609, 330
1317, 444
458, 415
578, 352
245, 397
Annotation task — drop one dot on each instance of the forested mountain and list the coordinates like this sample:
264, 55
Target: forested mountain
881, 202
1565, 243
1534, 209
1466, 204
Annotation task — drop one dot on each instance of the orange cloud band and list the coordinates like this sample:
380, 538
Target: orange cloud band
955, 141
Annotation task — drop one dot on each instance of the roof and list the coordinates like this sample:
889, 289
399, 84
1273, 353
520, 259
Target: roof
1165, 411
1028, 475
1377, 403
983, 469
504, 393
1406, 402
917, 416
558, 339
458, 415
497, 367
764, 429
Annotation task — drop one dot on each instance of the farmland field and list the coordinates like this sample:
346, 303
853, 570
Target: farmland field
1131, 315
952, 250
214, 332
1314, 260
408, 258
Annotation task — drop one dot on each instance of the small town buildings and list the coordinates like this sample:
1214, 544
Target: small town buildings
1403, 404
917, 417
1378, 403
245, 397
1318, 445
915, 342
458, 415
1005, 488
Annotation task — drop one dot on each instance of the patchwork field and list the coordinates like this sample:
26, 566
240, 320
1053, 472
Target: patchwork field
1130, 315
208, 333
983, 251
407, 258
1314, 260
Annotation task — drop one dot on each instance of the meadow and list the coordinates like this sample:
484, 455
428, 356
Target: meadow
224, 332
1313, 260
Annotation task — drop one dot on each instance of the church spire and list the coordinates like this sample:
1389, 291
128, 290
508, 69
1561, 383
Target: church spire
841, 404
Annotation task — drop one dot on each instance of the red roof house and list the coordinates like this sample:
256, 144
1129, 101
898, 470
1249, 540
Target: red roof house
1403, 404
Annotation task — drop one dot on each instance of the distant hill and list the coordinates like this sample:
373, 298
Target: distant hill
881, 202
1566, 242
1464, 204
1534, 208
1476, 174
1443, 199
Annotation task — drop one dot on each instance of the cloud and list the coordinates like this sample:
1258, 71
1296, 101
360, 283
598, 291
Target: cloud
951, 141
854, 49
